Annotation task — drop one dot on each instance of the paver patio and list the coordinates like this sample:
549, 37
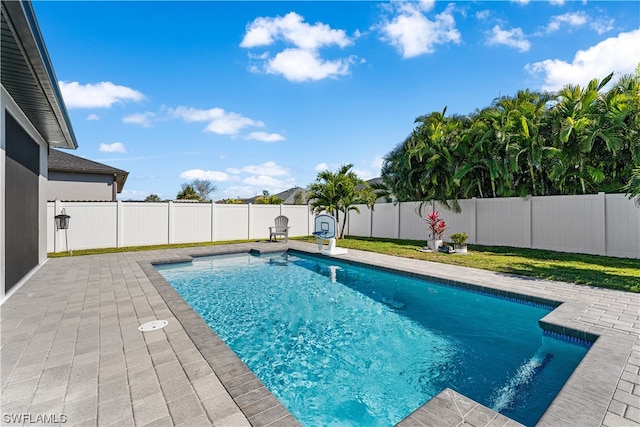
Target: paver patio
70, 349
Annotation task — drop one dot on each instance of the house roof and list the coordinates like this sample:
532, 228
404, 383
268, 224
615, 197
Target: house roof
287, 196
373, 181
28, 76
59, 161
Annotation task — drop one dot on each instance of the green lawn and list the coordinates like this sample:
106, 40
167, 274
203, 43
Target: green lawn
592, 270
140, 248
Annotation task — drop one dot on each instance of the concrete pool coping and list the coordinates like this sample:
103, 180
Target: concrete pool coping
197, 380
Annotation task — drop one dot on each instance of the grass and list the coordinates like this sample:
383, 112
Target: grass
141, 248
593, 270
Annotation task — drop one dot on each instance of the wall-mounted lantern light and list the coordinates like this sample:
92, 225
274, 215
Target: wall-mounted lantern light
62, 223
62, 220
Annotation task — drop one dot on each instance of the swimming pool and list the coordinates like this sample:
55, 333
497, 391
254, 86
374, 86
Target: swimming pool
345, 345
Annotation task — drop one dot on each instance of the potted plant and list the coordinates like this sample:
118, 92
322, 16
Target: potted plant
436, 227
460, 242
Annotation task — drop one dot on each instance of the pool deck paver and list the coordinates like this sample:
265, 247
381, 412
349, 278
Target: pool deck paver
70, 349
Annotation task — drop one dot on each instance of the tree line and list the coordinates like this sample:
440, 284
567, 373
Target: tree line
578, 140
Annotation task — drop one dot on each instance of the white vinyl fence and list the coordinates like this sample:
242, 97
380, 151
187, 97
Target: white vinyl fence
118, 224
601, 224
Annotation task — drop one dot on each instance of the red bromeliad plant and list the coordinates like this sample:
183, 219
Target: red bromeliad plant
436, 225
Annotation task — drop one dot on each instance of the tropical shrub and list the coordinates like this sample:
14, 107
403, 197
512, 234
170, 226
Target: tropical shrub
459, 238
435, 225
578, 140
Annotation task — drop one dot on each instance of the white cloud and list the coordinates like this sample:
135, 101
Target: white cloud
321, 167
413, 34
132, 195
291, 28
377, 162
269, 183
426, 5
98, 95
619, 54
575, 19
602, 25
215, 176
266, 176
299, 65
239, 191
92, 117
483, 15
265, 137
522, 2
116, 147
257, 183
254, 185
512, 38
220, 121
365, 174
557, 2
302, 62
269, 168
142, 119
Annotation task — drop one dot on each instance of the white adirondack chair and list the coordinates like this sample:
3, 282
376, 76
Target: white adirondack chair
279, 229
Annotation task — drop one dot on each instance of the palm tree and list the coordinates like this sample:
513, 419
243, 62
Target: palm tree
633, 186
526, 140
578, 140
579, 127
481, 172
623, 122
338, 193
422, 167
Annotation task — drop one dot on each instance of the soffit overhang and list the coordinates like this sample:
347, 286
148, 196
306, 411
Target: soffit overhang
27, 75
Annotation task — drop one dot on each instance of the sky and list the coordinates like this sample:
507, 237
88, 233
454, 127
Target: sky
263, 95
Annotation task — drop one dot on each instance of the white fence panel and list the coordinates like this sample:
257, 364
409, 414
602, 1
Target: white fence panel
92, 225
462, 222
597, 224
231, 222
144, 224
300, 219
51, 228
262, 217
569, 223
360, 224
190, 222
412, 223
503, 222
623, 226
384, 222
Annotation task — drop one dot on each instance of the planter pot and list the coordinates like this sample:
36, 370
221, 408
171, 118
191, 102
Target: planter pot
461, 249
434, 244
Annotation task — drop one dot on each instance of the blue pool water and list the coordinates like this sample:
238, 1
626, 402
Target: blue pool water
346, 345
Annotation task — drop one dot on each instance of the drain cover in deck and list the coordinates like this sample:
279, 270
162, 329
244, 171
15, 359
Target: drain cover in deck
153, 325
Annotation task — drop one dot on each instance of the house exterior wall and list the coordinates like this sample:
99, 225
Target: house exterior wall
80, 187
23, 215
3, 179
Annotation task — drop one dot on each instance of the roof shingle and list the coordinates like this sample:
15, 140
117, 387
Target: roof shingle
60, 161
